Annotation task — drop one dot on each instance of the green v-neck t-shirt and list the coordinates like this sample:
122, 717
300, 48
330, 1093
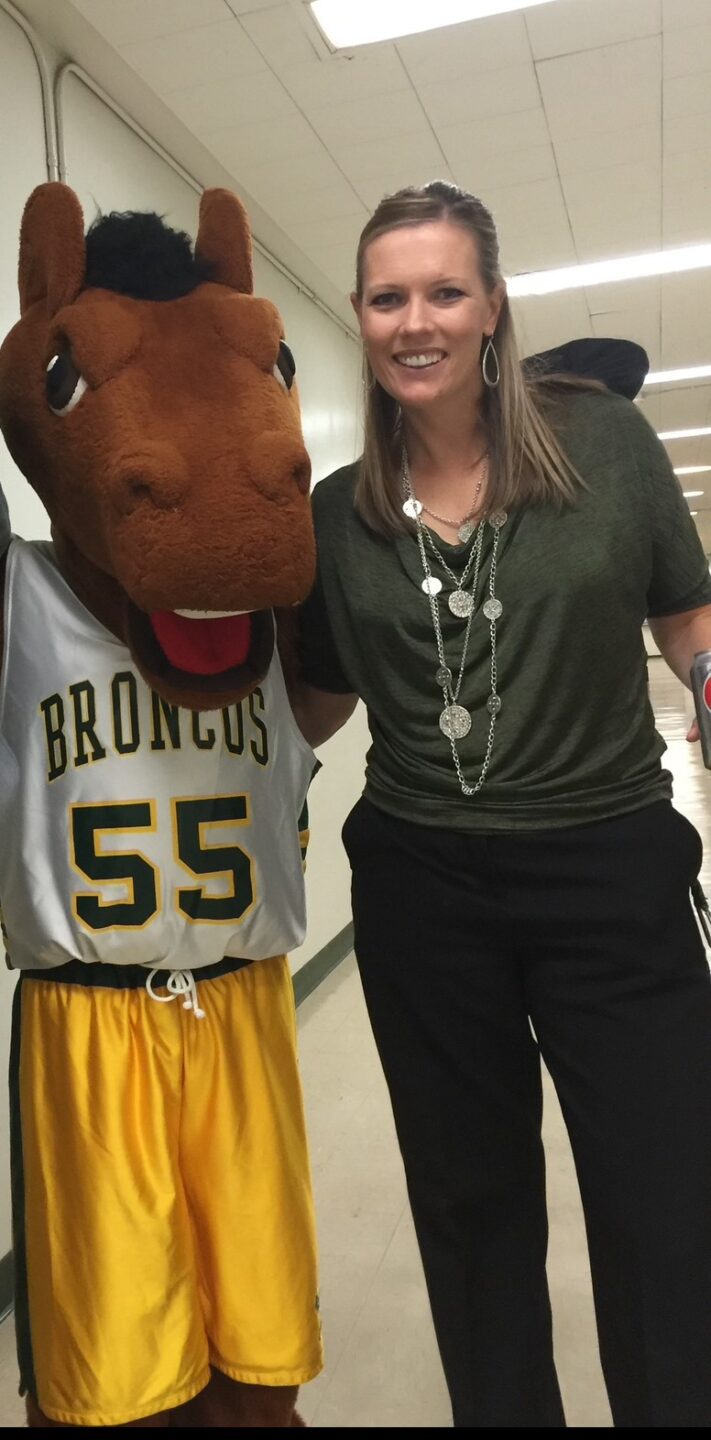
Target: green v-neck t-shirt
575, 739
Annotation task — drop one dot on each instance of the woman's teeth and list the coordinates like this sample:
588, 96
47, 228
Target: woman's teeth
420, 362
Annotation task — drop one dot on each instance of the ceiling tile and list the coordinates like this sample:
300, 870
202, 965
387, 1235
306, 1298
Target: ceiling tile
315, 171
622, 191
137, 20
686, 132
572, 25
629, 310
615, 236
595, 152
688, 94
623, 295
337, 262
691, 168
175, 62
688, 296
466, 49
485, 172
539, 249
519, 209
493, 136
494, 92
209, 106
598, 91
245, 7
264, 141
343, 231
682, 410
552, 319
279, 36
686, 214
688, 51
317, 206
677, 14
406, 154
342, 80
650, 408
384, 117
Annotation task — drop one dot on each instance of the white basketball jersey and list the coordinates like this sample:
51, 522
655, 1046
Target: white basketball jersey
133, 831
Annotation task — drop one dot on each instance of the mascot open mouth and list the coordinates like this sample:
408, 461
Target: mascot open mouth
206, 642
210, 649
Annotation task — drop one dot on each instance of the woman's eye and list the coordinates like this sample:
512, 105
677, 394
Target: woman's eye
64, 384
388, 297
285, 368
449, 292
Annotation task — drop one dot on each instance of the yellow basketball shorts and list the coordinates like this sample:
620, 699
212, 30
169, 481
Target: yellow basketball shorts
161, 1190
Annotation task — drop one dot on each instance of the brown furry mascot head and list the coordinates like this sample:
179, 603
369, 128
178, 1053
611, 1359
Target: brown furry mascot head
149, 399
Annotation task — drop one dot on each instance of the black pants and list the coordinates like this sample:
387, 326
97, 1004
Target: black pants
590, 933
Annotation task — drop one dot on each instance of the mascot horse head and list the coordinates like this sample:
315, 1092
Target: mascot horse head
148, 397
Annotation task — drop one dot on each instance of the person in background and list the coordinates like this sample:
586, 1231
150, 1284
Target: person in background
520, 876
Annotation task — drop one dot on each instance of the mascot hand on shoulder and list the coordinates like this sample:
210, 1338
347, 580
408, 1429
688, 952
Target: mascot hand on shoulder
152, 793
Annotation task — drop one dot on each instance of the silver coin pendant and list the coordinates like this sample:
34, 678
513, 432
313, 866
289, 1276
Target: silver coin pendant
412, 508
431, 585
493, 609
461, 604
498, 519
444, 675
455, 722
493, 704
465, 532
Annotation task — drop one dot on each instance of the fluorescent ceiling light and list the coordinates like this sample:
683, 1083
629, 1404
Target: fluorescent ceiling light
693, 512
605, 272
347, 23
671, 377
692, 494
692, 470
684, 434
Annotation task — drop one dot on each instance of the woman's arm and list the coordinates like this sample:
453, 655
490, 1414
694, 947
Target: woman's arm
679, 638
320, 713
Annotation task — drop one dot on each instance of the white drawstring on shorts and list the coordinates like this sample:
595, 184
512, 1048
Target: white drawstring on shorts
179, 982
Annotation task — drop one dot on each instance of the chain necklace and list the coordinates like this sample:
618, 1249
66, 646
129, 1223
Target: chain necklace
460, 603
455, 721
463, 527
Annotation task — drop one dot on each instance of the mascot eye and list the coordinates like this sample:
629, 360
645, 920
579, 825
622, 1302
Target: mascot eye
285, 368
64, 386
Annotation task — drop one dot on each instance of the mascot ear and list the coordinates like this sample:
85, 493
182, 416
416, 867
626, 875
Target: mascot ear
52, 248
224, 240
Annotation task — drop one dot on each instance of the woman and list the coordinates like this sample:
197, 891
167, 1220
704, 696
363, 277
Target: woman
518, 867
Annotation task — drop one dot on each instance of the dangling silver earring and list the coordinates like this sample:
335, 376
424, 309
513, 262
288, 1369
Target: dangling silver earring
490, 353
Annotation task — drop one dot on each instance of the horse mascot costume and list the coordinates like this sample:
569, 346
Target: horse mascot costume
152, 784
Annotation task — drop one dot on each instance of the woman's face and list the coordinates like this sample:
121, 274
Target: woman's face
423, 313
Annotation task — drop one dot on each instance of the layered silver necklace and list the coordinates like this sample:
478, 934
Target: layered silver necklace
455, 721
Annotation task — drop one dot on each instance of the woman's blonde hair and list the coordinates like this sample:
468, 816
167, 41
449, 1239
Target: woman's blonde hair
526, 460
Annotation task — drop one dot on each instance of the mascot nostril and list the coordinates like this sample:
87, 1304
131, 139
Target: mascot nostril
133, 488
279, 468
153, 827
302, 475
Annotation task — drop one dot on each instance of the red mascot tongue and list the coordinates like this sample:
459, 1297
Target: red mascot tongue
202, 647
